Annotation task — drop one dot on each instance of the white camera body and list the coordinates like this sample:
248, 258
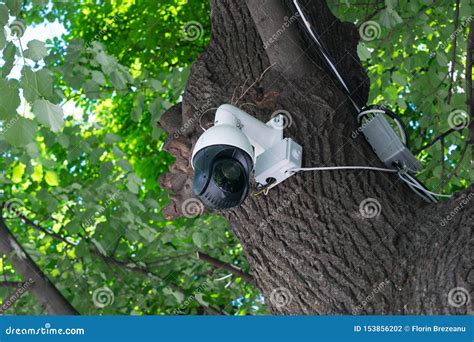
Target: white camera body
272, 155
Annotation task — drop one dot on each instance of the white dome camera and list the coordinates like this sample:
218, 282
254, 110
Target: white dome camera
237, 145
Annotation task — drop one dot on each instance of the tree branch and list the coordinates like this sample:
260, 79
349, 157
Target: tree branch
432, 142
228, 267
44, 290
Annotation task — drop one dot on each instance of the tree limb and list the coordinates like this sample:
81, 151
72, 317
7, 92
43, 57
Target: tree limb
44, 290
228, 267
432, 142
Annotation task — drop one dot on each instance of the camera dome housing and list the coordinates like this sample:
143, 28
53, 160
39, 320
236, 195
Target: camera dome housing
225, 156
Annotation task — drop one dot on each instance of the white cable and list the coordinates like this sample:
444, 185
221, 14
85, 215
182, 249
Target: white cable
325, 168
322, 50
411, 182
415, 184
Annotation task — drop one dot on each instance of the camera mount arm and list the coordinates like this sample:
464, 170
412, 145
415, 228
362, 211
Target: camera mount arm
274, 155
261, 136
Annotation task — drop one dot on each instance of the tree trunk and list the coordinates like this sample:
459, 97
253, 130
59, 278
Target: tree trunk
312, 243
37, 282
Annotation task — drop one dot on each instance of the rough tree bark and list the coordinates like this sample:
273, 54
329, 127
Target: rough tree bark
310, 249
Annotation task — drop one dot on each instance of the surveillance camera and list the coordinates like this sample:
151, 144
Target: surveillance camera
238, 145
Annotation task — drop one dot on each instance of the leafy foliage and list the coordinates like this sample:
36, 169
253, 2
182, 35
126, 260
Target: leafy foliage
80, 151
416, 59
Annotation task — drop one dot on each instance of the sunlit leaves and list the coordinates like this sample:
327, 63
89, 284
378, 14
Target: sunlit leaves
51, 178
37, 174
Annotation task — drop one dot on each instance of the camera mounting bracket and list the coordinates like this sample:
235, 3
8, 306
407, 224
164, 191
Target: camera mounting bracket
274, 155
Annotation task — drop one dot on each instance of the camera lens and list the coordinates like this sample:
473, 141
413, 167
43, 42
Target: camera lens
229, 175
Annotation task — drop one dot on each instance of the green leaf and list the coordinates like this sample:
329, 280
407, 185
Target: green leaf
22, 132
3, 38
17, 173
98, 77
3, 15
133, 183
111, 138
51, 178
49, 114
14, 6
37, 174
363, 52
32, 150
9, 98
36, 84
138, 107
36, 50
198, 239
9, 58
